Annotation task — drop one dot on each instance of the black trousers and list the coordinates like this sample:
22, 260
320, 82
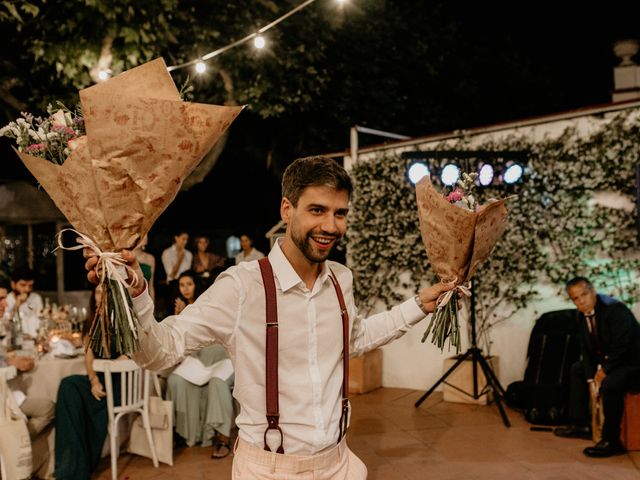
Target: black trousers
612, 391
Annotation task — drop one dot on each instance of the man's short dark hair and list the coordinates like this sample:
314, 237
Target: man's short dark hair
23, 274
180, 231
578, 280
314, 172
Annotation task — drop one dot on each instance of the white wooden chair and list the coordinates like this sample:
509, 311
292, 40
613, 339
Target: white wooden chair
134, 397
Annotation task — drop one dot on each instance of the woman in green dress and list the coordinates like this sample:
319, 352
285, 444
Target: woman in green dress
202, 413
81, 417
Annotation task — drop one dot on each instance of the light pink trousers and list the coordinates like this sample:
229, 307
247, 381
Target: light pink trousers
339, 463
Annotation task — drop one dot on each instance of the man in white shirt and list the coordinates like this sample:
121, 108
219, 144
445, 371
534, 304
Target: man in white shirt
177, 259
27, 302
39, 411
247, 253
310, 369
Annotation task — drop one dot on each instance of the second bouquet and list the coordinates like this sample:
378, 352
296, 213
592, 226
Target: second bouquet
141, 142
458, 236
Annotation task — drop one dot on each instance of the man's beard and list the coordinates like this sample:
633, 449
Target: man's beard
303, 242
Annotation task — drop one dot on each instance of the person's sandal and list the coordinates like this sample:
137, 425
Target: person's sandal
220, 449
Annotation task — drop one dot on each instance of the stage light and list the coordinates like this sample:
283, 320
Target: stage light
201, 67
450, 174
417, 171
485, 175
104, 75
513, 173
259, 42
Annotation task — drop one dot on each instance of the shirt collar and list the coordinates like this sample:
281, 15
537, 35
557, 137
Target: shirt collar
284, 272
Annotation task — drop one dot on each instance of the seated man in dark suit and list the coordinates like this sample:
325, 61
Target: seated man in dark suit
610, 344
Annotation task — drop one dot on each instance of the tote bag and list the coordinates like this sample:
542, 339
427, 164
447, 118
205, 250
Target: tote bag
161, 420
15, 444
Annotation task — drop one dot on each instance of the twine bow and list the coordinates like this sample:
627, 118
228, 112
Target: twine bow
445, 298
110, 265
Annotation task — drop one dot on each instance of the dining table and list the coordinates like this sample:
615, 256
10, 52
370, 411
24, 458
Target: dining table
45, 377
43, 381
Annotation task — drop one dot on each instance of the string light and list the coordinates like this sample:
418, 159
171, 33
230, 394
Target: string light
259, 42
201, 67
253, 36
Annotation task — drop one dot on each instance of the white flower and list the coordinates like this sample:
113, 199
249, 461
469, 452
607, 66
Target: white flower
35, 135
4, 130
61, 119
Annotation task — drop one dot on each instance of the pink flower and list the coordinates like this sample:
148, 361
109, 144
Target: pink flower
36, 147
62, 129
455, 196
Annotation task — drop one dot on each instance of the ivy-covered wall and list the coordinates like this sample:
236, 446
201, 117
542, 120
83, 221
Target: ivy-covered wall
558, 226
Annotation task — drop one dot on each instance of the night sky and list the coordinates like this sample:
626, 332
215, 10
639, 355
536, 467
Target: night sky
560, 57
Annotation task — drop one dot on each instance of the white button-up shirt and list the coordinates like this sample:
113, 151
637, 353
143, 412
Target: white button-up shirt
29, 312
232, 312
252, 255
170, 257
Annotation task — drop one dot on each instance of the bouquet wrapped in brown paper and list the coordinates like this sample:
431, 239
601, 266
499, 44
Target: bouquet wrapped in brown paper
458, 236
141, 142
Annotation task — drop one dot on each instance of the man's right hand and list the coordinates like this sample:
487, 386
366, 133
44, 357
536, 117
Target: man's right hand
129, 257
21, 298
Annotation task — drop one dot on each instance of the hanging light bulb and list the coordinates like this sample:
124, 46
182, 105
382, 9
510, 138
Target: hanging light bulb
259, 42
201, 67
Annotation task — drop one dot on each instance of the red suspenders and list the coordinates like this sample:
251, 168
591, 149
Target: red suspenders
273, 408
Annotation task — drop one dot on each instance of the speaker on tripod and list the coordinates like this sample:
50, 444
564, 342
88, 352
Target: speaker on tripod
475, 355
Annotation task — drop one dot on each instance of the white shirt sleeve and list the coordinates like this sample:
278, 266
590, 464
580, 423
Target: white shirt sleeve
167, 261
211, 319
381, 328
186, 261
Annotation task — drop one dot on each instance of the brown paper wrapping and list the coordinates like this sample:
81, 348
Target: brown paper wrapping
457, 240
142, 142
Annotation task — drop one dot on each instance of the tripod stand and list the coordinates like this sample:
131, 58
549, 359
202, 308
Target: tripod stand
477, 358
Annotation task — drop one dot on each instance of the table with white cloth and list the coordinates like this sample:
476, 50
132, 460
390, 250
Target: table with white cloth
43, 382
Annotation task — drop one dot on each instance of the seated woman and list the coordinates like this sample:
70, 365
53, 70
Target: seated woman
81, 417
202, 414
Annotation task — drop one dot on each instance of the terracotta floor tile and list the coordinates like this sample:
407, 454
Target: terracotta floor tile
438, 440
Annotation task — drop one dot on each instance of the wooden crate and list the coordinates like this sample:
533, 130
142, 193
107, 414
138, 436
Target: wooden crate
630, 428
462, 378
365, 372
